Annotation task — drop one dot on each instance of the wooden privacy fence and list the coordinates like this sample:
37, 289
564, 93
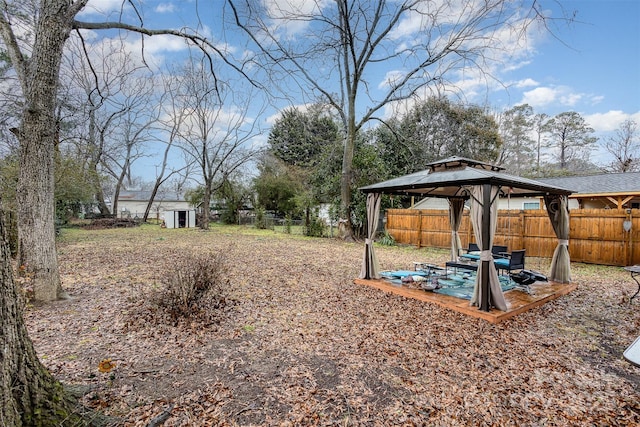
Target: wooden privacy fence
597, 236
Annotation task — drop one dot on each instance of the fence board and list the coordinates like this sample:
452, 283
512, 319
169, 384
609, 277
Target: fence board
595, 235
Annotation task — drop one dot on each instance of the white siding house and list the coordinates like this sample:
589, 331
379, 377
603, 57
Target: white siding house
506, 203
132, 204
599, 191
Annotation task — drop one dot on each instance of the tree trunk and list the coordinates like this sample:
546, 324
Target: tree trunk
94, 160
35, 191
152, 197
206, 205
29, 395
346, 178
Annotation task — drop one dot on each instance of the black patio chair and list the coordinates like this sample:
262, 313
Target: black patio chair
473, 247
516, 262
470, 253
499, 251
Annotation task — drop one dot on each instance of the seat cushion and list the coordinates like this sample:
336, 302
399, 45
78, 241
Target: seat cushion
501, 262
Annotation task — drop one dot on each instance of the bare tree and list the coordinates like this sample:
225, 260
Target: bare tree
169, 123
334, 49
29, 395
37, 67
624, 147
215, 130
101, 74
130, 131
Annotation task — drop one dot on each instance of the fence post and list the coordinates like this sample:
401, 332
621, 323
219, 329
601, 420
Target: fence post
521, 219
419, 229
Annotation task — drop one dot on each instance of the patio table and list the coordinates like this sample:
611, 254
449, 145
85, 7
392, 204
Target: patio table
461, 265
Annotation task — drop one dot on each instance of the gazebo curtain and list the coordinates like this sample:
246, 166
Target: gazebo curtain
558, 211
496, 297
370, 262
456, 207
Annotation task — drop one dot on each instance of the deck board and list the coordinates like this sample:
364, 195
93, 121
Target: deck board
517, 300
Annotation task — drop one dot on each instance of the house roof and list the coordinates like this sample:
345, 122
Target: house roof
449, 177
144, 196
627, 183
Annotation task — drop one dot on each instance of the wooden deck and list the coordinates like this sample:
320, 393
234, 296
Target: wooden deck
518, 301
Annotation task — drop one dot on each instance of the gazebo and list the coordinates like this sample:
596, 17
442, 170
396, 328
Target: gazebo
459, 179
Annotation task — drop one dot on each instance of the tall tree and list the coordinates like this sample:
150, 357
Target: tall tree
298, 137
438, 128
624, 146
215, 132
571, 138
518, 151
29, 395
170, 118
131, 129
306, 141
99, 79
539, 122
335, 49
36, 64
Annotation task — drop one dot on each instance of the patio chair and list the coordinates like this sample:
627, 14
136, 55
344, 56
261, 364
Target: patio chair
514, 262
499, 251
471, 252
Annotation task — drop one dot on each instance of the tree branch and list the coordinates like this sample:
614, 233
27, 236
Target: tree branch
201, 42
13, 49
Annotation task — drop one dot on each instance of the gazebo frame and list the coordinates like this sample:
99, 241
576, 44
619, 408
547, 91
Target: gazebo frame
459, 179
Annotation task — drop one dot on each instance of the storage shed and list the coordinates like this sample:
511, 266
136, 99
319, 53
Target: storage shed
182, 218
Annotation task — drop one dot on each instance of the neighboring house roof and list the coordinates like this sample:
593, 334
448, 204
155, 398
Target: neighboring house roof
627, 183
146, 195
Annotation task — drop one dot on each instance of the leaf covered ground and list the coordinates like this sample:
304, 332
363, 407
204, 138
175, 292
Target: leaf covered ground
300, 344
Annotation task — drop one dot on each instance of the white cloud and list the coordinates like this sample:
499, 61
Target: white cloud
272, 119
103, 7
571, 99
391, 78
609, 121
540, 97
165, 8
560, 96
526, 83
286, 9
286, 15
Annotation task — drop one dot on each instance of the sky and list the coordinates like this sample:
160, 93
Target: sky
595, 70
591, 66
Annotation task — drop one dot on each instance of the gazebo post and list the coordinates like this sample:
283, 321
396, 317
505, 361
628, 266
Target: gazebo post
486, 232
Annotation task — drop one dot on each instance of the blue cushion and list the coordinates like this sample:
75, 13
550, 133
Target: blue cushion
501, 262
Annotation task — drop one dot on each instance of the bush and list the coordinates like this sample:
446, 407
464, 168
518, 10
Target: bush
194, 287
288, 222
261, 218
387, 239
315, 226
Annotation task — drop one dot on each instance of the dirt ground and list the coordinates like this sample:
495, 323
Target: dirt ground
300, 344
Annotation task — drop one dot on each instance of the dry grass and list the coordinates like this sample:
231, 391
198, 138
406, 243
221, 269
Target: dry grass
302, 345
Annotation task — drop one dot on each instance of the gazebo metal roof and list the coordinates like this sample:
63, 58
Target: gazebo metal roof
448, 177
